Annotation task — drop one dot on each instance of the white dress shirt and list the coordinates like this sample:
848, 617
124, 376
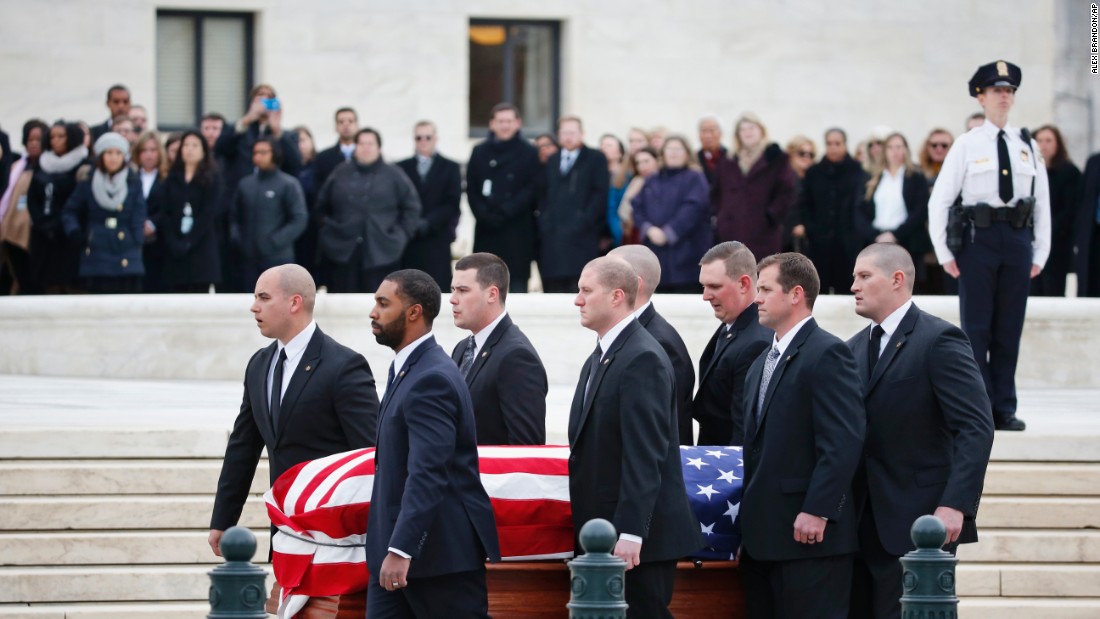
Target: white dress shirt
890, 325
890, 211
295, 348
483, 336
147, 180
783, 343
971, 168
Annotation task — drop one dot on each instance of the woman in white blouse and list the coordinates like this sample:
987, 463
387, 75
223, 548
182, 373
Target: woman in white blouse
894, 208
150, 162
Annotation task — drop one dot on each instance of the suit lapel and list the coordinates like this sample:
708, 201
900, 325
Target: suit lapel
311, 358
752, 386
601, 371
893, 346
785, 360
259, 385
400, 376
487, 350
863, 342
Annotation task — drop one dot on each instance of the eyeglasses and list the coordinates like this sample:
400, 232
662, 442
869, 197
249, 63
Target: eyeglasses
805, 154
938, 145
424, 138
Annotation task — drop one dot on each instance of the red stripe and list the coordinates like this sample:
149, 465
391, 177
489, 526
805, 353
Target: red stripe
320, 477
336, 522
361, 469
534, 466
327, 579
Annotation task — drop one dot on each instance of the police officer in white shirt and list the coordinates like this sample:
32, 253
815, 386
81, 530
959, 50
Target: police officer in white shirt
1000, 238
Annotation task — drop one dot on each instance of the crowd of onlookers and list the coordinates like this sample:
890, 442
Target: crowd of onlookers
119, 207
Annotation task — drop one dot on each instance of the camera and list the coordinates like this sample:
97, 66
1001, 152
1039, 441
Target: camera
271, 105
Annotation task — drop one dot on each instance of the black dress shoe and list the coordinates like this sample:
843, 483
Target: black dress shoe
1011, 424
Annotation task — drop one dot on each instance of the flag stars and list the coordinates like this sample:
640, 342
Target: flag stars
707, 490
734, 509
697, 463
707, 529
727, 476
717, 453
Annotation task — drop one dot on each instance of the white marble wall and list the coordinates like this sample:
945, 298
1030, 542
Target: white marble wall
802, 65
213, 336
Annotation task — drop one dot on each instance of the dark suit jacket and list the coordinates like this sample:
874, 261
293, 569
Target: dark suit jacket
624, 464
428, 500
929, 432
100, 129
508, 388
573, 214
324, 163
719, 403
803, 453
429, 249
329, 406
676, 350
912, 234
1088, 257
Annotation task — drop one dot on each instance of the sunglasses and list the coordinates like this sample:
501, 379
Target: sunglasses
805, 154
938, 145
424, 138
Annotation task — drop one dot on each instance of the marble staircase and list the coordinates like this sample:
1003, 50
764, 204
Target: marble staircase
120, 532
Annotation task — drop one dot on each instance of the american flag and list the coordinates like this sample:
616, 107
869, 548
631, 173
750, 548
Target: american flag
712, 478
320, 509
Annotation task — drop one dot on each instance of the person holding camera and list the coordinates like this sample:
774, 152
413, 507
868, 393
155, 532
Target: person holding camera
1000, 238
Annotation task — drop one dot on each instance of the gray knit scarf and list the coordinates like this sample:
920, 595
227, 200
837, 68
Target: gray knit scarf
110, 191
53, 164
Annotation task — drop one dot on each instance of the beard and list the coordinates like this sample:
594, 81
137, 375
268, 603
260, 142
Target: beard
392, 333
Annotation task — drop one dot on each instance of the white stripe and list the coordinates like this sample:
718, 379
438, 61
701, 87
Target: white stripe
352, 491
351, 554
500, 451
333, 478
526, 486
291, 544
303, 479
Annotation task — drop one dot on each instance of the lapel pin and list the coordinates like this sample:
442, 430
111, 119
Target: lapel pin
402, 373
606, 361
788, 358
309, 367
729, 335
484, 354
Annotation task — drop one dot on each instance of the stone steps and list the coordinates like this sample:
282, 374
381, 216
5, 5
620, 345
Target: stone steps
1033, 546
116, 477
114, 548
1046, 478
100, 512
1023, 608
133, 610
104, 584
1054, 580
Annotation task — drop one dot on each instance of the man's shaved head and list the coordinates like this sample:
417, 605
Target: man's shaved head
296, 280
890, 258
614, 273
645, 264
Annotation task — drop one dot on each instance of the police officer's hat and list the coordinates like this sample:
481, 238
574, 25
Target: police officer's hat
999, 73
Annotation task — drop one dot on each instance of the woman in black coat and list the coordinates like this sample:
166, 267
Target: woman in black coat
54, 260
894, 208
1065, 197
105, 218
189, 204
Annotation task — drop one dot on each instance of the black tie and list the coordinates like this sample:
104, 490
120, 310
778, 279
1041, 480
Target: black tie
468, 356
389, 378
277, 389
874, 348
1004, 166
593, 365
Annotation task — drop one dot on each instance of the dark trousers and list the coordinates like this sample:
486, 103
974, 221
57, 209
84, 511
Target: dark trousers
876, 577
834, 265
560, 284
126, 284
462, 595
816, 588
1092, 280
649, 590
352, 276
995, 276
14, 269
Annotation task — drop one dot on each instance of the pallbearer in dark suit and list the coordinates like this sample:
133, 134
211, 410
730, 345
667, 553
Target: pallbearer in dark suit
506, 377
929, 432
625, 462
431, 525
439, 184
803, 440
648, 268
728, 275
305, 395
